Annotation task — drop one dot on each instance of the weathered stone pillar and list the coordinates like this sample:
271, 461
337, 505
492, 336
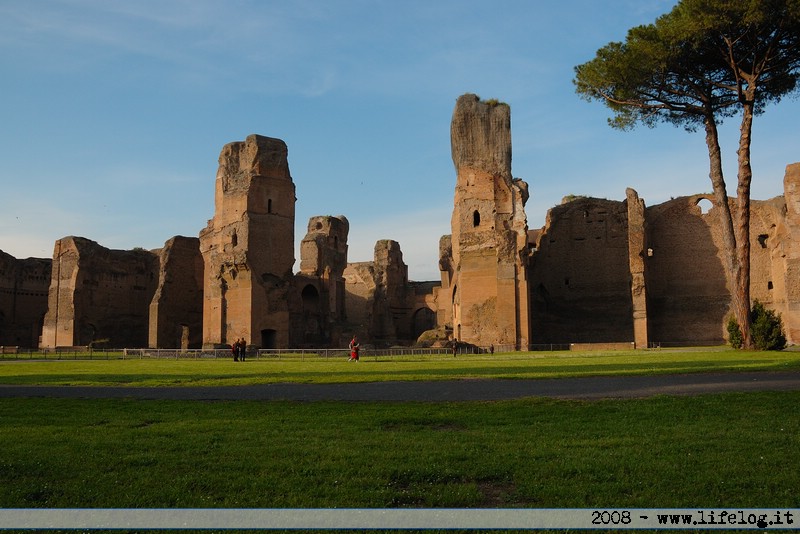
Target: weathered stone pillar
637, 254
489, 229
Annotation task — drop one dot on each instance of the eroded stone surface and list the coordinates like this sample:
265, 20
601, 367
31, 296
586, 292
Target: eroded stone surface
24, 285
176, 310
248, 246
487, 267
98, 295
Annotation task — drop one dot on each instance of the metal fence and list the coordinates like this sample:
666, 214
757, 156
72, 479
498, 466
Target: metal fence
409, 353
302, 354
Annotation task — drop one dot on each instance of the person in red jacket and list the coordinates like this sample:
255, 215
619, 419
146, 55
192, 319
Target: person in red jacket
354, 347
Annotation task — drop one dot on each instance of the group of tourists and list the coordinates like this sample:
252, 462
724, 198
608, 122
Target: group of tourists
239, 349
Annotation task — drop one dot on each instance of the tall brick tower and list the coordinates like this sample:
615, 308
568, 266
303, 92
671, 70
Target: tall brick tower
248, 247
489, 288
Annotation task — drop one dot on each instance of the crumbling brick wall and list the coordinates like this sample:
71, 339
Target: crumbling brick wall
176, 311
98, 295
24, 285
580, 277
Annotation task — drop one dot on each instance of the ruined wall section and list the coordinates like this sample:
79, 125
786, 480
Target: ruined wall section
768, 242
423, 306
687, 292
392, 310
443, 294
248, 246
775, 253
324, 247
489, 229
98, 295
580, 275
380, 300
24, 286
176, 311
360, 286
320, 283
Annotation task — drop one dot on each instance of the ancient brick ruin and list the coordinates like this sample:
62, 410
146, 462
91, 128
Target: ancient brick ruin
99, 295
485, 280
598, 271
23, 299
619, 271
176, 310
248, 247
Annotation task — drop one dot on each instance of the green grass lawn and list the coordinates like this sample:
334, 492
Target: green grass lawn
170, 372
707, 451
731, 450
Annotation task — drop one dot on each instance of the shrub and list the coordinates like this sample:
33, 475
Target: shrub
734, 334
766, 329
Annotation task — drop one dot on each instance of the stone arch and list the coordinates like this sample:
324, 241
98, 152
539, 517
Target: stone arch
310, 296
423, 319
705, 205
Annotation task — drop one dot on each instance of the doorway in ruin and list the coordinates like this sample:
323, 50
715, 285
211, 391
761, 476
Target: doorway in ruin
424, 319
312, 315
269, 339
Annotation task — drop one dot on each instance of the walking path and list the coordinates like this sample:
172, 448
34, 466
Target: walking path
441, 391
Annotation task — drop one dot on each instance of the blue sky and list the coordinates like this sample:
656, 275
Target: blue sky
113, 114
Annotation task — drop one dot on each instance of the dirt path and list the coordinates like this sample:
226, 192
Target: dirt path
442, 391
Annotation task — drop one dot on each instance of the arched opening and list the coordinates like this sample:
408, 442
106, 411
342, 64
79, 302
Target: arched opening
705, 205
476, 218
269, 205
423, 319
234, 239
310, 297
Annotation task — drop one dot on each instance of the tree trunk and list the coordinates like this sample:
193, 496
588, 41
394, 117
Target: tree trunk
743, 216
741, 308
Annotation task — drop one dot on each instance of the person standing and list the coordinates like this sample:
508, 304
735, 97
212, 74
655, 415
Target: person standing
354, 348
